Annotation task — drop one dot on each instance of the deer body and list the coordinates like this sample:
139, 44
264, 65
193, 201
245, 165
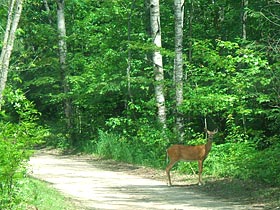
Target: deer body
189, 153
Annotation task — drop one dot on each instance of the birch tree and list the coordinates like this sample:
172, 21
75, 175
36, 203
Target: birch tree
157, 60
14, 13
63, 64
190, 29
128, 69
178, 65
244, 18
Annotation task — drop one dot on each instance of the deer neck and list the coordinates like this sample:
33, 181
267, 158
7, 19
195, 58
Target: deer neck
208, 145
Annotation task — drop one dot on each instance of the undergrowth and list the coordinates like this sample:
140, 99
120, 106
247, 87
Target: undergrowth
35, 194
18, 135
233, 159
112, 146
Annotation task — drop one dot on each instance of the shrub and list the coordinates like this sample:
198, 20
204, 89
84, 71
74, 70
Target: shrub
230, 160
264, 165
243, 160
19, 132
112, 146
135, 150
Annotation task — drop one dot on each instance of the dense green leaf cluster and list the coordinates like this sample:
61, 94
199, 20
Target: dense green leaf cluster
19, 132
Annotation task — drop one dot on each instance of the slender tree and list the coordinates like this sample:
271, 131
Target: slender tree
14, 13
47, 10
244, 18
178, 65
63, 64
190, 29
157, 60
128, 69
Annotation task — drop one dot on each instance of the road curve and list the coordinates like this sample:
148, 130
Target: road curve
95, 188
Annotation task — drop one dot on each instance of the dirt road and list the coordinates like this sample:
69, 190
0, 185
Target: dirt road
95, 185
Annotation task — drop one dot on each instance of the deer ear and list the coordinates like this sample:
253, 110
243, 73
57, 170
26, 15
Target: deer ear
205, 130
216, 130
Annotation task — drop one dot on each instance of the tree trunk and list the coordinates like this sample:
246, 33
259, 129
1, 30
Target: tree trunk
128, 69
190, 29
157, 60
178, 65
47, 10
14, 13
244, 18
63, 65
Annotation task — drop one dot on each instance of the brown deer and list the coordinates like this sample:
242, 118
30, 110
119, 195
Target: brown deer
190, 153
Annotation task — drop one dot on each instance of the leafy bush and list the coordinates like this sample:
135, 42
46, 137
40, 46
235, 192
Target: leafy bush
230, 160
18, 134
112, 146
242, 160
58, 140
264, 165
136, 150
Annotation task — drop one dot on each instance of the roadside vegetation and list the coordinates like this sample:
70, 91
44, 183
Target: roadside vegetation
33, 194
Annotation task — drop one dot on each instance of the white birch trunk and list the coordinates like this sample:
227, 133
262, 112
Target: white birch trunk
157, 60
244, 18
14, 13
128, 69
62, 60
190, 29
178, 64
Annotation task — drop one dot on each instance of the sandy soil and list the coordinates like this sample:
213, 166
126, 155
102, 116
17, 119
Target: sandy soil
93, 183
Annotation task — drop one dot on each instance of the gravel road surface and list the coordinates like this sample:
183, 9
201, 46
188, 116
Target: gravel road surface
92, 184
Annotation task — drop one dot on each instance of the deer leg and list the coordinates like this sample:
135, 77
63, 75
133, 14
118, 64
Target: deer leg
168, 168
200, 168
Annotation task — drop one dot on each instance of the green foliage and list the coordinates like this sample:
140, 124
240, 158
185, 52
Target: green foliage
227, 160
242, 160
58, 140
33, 194
264, 165
17, 137
229, 82
146, 148
114, 147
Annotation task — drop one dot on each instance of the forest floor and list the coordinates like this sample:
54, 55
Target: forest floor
94, 183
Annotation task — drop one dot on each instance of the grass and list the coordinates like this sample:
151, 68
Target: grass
40, 195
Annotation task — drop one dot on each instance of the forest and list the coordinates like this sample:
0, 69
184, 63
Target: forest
126, 79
